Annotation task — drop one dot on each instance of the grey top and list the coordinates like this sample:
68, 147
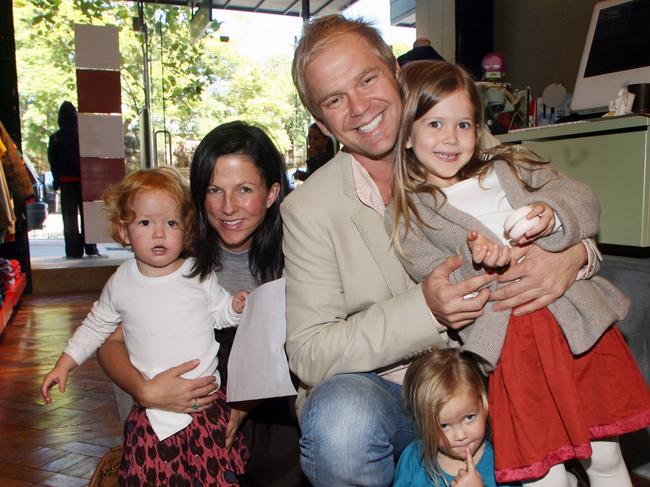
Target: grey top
587, 308
235, 274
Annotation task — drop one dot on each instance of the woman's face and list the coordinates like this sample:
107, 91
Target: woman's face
237, 199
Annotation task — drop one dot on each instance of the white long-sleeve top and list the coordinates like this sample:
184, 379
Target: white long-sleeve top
167, 320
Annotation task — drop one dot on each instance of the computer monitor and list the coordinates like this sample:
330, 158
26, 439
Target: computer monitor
616, 53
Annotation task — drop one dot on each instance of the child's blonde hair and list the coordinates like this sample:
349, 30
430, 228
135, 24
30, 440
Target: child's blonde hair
423, 84
430, 382
119, 200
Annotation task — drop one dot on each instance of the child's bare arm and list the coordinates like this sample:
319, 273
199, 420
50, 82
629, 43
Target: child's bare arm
486, 252
530, 222
239, 301
58, 375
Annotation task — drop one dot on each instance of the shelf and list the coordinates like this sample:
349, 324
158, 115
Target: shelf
612, 156
16, 291
12, 296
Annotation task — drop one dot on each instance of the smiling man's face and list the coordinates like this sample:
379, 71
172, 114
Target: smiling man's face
357, 95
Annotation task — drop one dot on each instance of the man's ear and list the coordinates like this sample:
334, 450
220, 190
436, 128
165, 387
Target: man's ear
323, 128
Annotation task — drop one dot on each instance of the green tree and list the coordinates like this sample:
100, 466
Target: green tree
46, 70
400, 48
194, 86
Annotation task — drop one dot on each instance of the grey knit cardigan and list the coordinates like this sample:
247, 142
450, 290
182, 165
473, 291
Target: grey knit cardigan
586, 309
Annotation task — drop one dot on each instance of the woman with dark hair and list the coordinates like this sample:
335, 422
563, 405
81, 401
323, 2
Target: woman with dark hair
237, 180
236, 147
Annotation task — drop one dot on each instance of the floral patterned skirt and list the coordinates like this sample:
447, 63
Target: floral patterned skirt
193, 457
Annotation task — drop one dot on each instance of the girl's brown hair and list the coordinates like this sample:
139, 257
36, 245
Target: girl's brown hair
423, 84
430, 382
119, 200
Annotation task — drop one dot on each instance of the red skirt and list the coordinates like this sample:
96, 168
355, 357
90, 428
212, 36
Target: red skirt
194, 456
547, 405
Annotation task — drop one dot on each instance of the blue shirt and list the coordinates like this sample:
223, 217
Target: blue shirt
410, 471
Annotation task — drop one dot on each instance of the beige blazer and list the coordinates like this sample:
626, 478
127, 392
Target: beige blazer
350, 304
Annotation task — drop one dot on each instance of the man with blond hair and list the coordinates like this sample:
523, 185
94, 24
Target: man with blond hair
354, 318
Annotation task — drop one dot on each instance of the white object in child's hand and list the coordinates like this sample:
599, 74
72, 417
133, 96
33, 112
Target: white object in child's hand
516, 225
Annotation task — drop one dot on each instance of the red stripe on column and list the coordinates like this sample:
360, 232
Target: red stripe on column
98, 91
97, 174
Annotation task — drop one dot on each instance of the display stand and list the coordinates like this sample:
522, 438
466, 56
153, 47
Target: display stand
612, 155
12, 296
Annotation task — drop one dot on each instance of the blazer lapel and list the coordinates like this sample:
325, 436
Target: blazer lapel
371, 228
373, 233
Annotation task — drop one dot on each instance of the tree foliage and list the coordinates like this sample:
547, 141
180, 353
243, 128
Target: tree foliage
194, 87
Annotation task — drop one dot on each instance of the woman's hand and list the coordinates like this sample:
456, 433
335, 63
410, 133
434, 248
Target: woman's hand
170, 392
238, 412
167, 391
537, 278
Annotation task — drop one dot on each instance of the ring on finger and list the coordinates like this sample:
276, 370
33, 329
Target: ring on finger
195, 405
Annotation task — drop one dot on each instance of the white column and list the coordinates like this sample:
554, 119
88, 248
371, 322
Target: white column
436, 19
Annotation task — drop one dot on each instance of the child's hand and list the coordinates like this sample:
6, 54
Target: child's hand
544, 219
239, 301
58, 375
468, 477
486, 252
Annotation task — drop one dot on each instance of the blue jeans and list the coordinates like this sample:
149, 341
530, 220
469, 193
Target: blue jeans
354, 427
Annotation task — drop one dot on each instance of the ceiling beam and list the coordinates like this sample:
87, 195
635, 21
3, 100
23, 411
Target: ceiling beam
259, 7
326, 4
286, 10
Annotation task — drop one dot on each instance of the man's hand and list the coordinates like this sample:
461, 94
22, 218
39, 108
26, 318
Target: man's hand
537, 278
455, 305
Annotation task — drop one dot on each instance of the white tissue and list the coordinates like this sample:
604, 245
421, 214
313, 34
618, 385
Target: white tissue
622, 105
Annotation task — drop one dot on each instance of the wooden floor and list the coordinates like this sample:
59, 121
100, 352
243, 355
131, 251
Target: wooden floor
59, 444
